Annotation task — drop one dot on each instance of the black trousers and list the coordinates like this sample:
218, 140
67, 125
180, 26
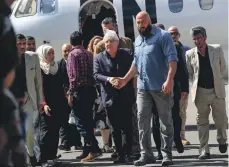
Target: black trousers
46, 137
64, 132
83, 110
69, 134
120, 117
176, 123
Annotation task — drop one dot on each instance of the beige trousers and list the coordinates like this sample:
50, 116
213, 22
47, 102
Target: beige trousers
206, 101
183, 108
29, 126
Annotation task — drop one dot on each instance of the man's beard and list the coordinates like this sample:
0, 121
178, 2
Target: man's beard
147, 31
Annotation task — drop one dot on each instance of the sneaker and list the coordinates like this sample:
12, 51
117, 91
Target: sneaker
167, 161
64, 148
223, 148
185, 142
91, 157
145, 160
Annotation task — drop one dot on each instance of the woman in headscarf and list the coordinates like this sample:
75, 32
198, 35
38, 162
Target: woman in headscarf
55, 107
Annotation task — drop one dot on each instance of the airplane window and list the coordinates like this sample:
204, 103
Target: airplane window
206, 4
26, 8
48, 6
175, 6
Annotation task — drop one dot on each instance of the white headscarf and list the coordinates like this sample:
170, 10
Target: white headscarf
48, 68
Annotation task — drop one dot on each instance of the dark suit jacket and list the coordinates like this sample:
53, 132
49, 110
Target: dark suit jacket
63, 74
181, 83
104, 68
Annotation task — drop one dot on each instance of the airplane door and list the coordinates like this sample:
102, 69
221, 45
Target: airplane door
91, 17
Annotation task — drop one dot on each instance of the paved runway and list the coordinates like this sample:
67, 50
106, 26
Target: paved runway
188, 158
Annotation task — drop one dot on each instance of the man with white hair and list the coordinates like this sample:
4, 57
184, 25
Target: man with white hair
108, 64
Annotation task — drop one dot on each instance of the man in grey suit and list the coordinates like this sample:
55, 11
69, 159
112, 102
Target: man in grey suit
27, 88
206, 66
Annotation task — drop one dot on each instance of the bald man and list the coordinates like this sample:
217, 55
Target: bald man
68, 136
155, 62
174, 31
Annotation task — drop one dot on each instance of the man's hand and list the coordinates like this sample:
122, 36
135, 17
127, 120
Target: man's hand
121, 83
113, 81
167, 87
184, 95
47, 110
70, 99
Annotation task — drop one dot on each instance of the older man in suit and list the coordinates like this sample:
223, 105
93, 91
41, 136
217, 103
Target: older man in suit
124, 42
27, 88
206, 66
108, 64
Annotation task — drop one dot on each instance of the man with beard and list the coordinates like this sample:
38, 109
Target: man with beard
206, 67
155, 62
30, 44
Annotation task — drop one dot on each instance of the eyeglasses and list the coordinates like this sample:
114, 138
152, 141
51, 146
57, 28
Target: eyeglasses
174, 33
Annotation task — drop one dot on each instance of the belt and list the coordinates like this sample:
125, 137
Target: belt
206, 87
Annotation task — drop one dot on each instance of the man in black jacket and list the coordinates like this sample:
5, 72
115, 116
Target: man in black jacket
111, 63
181, 88
68, 133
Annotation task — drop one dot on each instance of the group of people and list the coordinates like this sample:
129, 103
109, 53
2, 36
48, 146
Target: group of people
125, 84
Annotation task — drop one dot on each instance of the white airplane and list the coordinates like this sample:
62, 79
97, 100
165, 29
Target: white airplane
52, 21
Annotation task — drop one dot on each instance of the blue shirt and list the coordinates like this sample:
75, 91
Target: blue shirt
152, 55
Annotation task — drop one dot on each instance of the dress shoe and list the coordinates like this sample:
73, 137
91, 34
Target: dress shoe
64, 148
145, 160
204, 156
32, 161
119, 160
114, 155
223, 148
159, 156
128, 159
82, 156
91, 157
179, 146
78, 147
167, 161
185, 142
